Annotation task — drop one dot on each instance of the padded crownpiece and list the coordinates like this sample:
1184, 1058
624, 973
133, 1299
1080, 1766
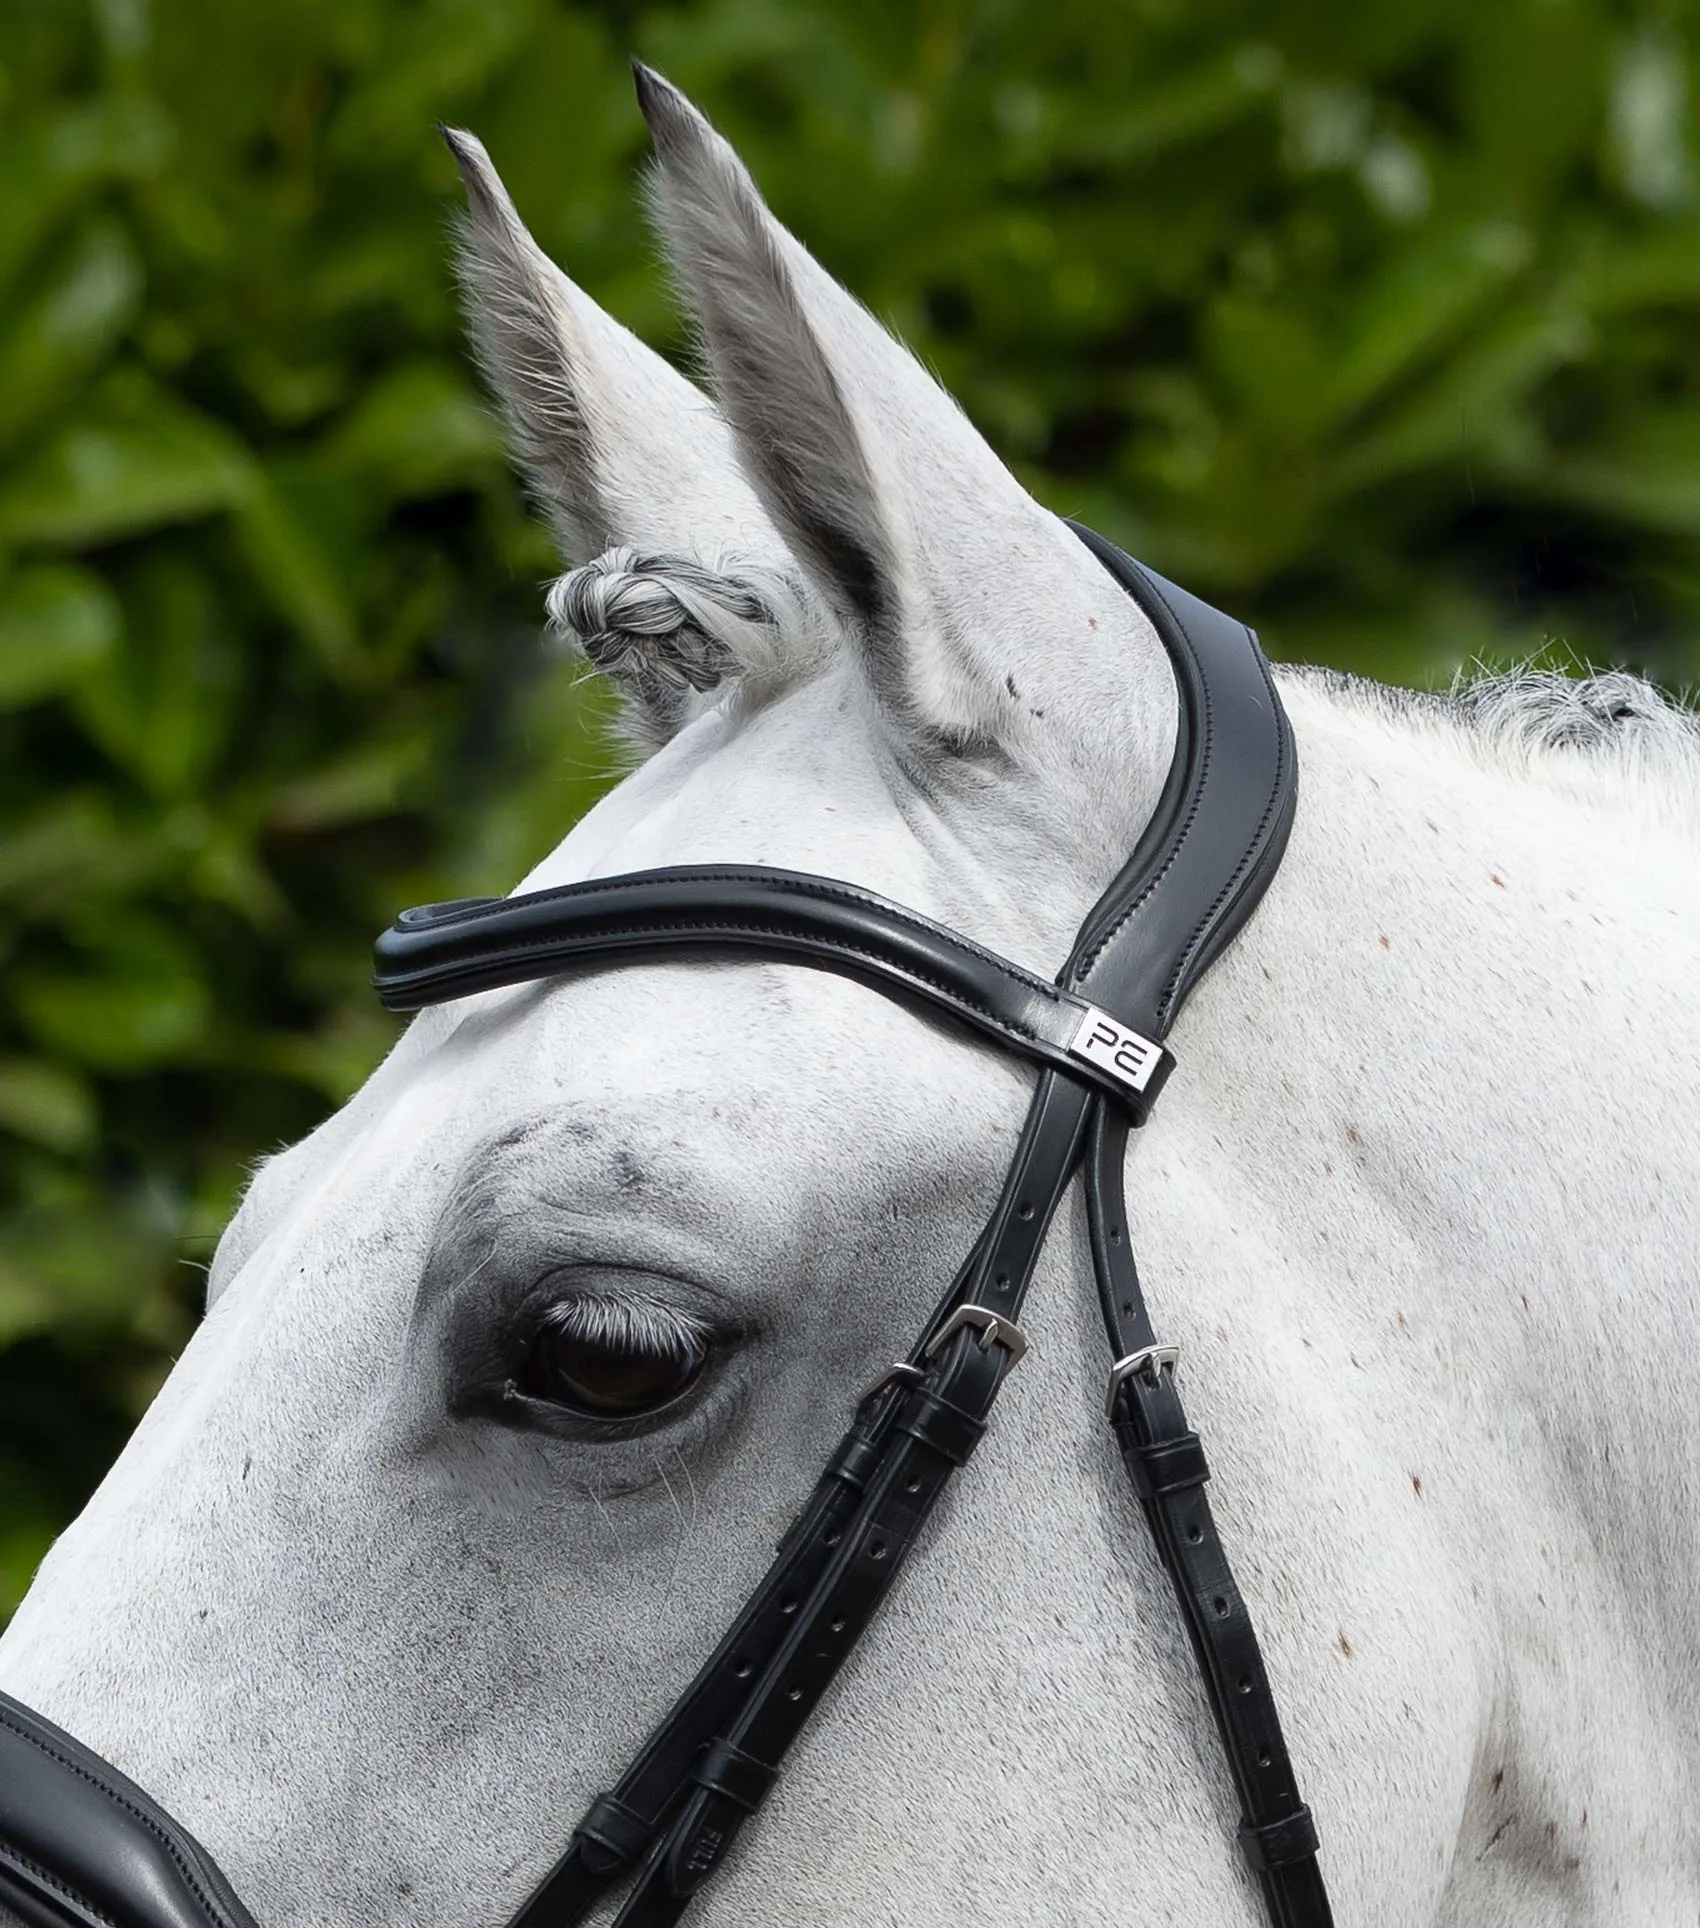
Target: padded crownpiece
81, 1846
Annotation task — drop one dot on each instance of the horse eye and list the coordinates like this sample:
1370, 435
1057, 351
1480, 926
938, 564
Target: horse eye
609, 1377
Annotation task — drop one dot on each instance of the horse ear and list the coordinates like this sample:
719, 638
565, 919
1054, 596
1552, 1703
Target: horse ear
683, 581
617, 445
881, 486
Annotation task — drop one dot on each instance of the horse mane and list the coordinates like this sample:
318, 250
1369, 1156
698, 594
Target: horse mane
1612, 739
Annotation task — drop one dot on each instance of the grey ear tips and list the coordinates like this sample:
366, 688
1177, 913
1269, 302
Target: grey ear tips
663, 107
486, 197
467, 149
648, 84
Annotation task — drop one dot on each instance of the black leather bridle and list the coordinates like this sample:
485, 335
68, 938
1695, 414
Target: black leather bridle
80, 1844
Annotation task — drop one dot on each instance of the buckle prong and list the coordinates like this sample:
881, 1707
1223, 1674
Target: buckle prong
994, 1328
1152, 1361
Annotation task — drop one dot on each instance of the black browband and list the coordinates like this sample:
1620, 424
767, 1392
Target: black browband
80, 1844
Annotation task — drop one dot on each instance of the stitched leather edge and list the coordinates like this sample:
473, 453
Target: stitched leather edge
214, 1914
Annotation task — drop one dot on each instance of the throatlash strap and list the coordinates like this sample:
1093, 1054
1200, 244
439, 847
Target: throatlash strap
80, 1846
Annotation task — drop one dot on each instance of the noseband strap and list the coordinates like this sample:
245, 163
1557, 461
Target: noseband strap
82, 1847
1097, 1037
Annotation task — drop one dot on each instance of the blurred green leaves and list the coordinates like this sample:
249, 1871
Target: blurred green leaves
133, 460
1377, 324
55, 621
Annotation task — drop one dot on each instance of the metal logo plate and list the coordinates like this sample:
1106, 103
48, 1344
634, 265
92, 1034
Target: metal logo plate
1126, 1055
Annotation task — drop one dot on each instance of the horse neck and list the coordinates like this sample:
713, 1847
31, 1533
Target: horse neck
1442, 1086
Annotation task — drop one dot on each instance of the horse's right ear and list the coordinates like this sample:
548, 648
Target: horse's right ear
616, 445
622, 454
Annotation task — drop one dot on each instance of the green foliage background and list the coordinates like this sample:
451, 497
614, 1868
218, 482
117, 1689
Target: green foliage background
1378, 324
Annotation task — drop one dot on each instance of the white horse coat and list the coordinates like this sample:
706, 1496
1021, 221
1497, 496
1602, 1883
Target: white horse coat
1420, 1206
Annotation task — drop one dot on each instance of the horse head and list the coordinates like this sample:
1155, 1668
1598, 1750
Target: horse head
514, 1369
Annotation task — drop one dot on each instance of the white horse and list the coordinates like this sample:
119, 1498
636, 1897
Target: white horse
1420, 1207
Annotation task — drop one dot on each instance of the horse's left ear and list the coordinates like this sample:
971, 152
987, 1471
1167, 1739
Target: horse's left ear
941, 567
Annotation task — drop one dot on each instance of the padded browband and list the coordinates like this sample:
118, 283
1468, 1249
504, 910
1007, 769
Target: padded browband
82, 1845
1150, 938
443, 951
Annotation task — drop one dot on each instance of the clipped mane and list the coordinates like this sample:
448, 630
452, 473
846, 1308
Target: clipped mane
1612, 740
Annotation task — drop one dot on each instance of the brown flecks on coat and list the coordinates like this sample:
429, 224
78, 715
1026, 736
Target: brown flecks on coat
1498, 1780
1352, 1137
1327, 1169
1344, 1644
1009, 684
1417, 1484
1499, 881
1385, 941
1403, 1324
1494, 1837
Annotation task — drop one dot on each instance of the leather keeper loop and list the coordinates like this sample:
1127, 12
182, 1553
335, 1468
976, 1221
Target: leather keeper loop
1279, 1843
940, 1425
617, 1829
1169, 1466
726, 1769
855, 1463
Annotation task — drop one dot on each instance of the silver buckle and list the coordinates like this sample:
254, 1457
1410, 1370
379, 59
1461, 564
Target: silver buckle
1150, 1360
994, 1328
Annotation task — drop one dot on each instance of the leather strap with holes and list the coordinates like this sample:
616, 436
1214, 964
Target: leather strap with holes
1167, 1469
935, 1420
